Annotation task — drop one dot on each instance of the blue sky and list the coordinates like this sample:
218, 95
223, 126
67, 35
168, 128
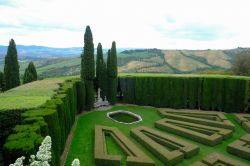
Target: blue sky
167, 24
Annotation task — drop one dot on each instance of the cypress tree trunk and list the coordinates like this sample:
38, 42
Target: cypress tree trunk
88, 67
11, 67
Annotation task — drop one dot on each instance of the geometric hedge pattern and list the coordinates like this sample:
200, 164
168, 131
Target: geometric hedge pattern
244, 120
168, 149
216, 119
216, 159
240, 147
209, 128
135, 157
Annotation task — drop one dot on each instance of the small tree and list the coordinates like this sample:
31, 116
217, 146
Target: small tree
241, 64
30, 73
2, 82
11, 67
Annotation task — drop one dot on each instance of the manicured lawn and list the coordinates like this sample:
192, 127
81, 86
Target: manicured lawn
29, 95
82, 145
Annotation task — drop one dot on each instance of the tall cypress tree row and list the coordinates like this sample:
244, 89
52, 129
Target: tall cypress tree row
112, 74
11, 67
2, 82
30, 73
88, 67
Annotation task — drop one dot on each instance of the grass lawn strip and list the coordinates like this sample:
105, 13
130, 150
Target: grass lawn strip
240, 147
168, 149
216, 159
134, 155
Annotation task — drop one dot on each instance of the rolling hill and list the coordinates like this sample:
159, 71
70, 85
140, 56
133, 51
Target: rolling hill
51, 62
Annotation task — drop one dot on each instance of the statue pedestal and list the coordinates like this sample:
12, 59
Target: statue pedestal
99, 101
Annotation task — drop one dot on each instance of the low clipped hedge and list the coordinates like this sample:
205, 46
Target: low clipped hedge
224, 93
156, 142
54, 118
135, 157
204, 134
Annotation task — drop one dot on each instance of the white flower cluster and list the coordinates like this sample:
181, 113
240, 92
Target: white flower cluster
75, 162
42, 157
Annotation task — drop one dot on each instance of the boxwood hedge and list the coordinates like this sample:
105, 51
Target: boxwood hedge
54, 118
223, 93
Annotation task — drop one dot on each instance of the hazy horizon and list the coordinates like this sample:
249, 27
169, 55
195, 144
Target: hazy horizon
163, 24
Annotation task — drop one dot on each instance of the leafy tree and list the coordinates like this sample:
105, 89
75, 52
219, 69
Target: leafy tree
30, 73
2, 82
241, 64
88, 67
112, 74
11, 67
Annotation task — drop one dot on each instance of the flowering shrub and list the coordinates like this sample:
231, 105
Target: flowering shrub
42, 157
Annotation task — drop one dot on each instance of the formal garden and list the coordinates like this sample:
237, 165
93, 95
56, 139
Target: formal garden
105, 119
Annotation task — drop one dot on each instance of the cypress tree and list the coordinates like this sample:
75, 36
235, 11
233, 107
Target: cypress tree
11, 67
103, 80
30, 73
112, 74
88, 67
32, 70
99, 61
2, 82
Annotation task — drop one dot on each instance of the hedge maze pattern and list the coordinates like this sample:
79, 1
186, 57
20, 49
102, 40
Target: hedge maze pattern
216, 159
168, 149
216, 119
240, 147
135, 157
244, 120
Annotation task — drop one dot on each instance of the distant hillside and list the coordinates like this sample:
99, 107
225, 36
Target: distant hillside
63, 61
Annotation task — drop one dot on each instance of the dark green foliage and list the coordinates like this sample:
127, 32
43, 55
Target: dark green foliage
27, 77
90, 99
99, 62
2, 82
208, 93
30, 73
11, 67
88, 67
112, 74
88, 63
55, 118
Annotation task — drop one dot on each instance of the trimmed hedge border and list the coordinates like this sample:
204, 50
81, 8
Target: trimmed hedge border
223, 93
54, 118
135, 157
156, 142
204, 134
216, 158
244, 120
222, 122
240, 147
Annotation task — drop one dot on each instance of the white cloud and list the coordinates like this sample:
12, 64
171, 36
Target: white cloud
132, 23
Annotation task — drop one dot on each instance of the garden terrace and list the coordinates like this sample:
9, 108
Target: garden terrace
240, 147
83, 143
